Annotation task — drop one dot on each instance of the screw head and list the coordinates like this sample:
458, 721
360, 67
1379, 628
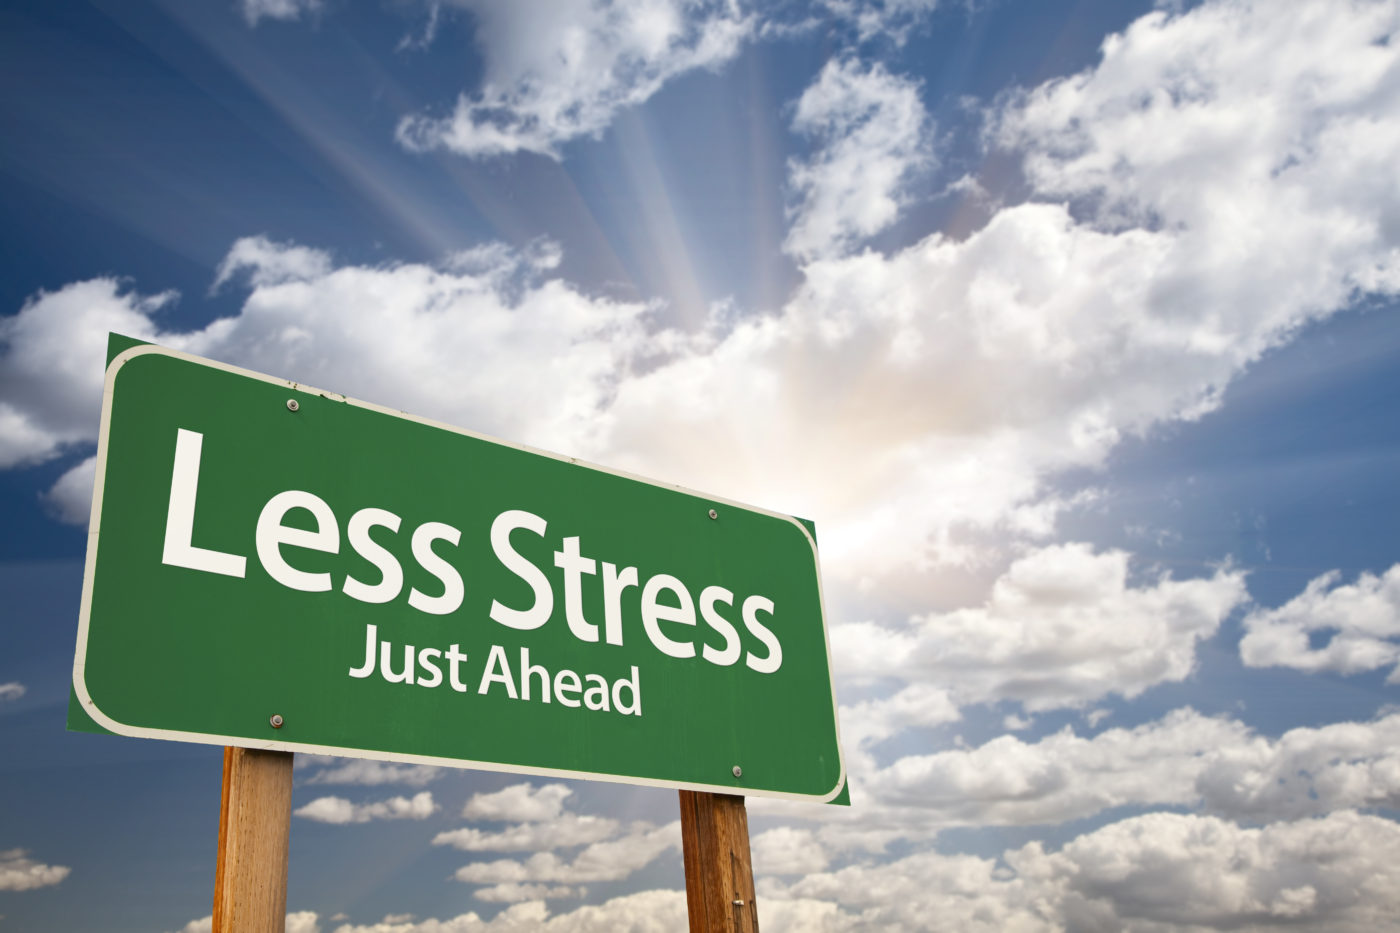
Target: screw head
738, 771
293, 404
276, 720
714, 514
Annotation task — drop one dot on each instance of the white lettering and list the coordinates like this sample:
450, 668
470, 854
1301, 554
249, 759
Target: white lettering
708, 597
752, 606
537, 614
596, 696
272, 534
452, 592
179, 516
654, 612
497, 671
425, 662
635, 685
390, 573
613, 585
574, 566
371, 638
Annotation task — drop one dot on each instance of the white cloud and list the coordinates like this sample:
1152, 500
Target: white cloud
1156, 872
440, 343
70, 499
869, 722
1185, 760
268, 263
1306, 771
18, 872
885, 19
367, 772
563, 831
12, 690
1062, 776
787, 851
1013, 723
513, 893
871, 130
1062, 627
559, 70
643, 912
1360, 622
944, 383
1287, 119
963, 892
1334, 873
255, 10
339, 810
612, 860
51, 364
519, 802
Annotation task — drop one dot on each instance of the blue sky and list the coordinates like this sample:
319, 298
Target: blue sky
1070, 324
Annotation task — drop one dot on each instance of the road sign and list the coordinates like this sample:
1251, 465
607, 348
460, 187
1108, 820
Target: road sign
274, 566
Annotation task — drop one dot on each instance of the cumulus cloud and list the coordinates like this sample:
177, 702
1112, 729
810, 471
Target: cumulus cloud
612, 860
513, 893
1333, 873
339, 810
255, 10
448, 342
943, 383
1062, 776
265, 263
787, 851
51, 357
1306, 771
366, 772
1154, 872
871, 130
18, 872
884, 19
70, 499
1359, 626
12, 690
869, 722
643, 912
1185, 760
519, 802
611, 851
1061, 628
563, 831
558, 71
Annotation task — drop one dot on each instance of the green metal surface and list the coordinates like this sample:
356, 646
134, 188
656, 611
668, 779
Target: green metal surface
168, 650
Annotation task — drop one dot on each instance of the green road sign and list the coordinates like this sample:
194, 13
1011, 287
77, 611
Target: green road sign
273, 566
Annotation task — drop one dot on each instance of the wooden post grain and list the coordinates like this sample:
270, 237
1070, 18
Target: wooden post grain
718, 871
250, 882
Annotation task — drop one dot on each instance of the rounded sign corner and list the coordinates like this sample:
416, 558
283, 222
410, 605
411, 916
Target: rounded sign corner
91, 709
130, 353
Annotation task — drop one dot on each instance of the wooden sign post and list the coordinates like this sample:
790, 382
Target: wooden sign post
250, 882
718, 872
